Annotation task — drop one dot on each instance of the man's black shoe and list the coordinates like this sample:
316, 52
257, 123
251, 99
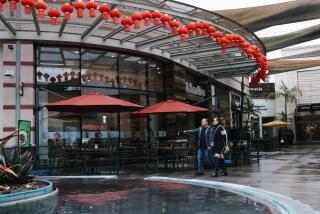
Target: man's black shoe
215, 174
199, 173
225, 173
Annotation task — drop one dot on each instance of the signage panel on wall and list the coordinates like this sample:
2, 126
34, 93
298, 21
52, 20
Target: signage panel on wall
24, 133
195, 90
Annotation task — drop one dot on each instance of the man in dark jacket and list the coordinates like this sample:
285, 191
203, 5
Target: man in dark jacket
203, 142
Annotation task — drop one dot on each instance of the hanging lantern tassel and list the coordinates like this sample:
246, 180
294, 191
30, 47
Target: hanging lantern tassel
165, 19
54, 14
13, 5
92, 6
147, 16
79, 6
126, 22
115, 15
136, 18
41, 7
104, 10
27, 4
67, 9
174, 24
156, 15
183, 34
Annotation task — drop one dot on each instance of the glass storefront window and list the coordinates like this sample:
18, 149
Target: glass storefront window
132, 72
155, 76
81, 71
58, 66
99, 68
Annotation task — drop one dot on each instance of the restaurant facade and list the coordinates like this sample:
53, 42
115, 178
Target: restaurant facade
45, 68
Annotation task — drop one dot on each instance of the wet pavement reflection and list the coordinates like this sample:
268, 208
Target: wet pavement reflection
133, 196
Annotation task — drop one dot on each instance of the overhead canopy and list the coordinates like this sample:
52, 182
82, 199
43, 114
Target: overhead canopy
261, 17
198, 53
93, 102
171, 106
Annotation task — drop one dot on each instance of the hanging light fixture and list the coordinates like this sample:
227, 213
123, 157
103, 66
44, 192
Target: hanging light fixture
105, 10
79, 6
115, 15
92, 6
126, 22
183, 34
27, 4
2, 2
41, 6
174, 24
136, 18
156, 15
147, 16
67, 9
54, 14
165, 19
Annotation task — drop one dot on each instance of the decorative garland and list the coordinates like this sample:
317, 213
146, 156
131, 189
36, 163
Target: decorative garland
191, 29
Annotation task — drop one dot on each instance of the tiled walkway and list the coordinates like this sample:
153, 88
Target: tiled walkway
293, 172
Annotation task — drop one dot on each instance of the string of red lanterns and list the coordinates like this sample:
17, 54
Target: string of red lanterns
189, 30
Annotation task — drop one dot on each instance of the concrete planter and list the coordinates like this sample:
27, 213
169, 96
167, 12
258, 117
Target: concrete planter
43, 200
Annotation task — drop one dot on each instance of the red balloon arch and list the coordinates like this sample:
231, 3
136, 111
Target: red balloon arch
191, 29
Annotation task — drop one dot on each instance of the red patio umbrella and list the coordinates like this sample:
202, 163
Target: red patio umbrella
93, 102
171, 106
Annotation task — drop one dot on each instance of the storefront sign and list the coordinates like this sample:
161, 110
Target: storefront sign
24, 133
195, 90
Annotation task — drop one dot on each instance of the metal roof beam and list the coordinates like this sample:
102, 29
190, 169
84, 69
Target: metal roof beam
201, 53
227, 66
113, 33
156, 43
35, 20
228, 63
148, 30
95, 25
7, 25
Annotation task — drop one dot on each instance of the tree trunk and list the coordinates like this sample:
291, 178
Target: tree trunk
248, 120
286, 108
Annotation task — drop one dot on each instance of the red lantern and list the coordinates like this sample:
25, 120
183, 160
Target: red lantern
136, 18
105, 10
205, 28
156, 15
115, 15
41, 7
199, 27
191, 27
225, 43
2, 2
174, 24
217, 35
13, 4
54, 14
126, 22
244, 45
211, 30
165, 19
27, 6
183, 33
147, 15
250, 52
92, 6
79, 6
67, 9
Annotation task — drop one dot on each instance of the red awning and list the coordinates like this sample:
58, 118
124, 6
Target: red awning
93, 102
171, 106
